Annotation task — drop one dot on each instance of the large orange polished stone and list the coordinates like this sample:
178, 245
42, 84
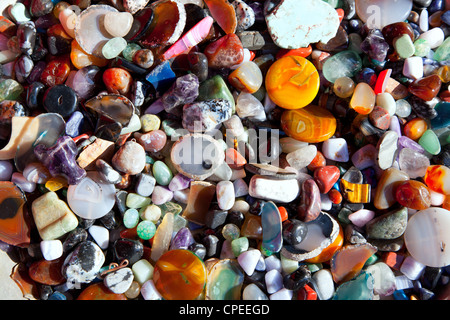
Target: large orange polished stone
98, 291
310, 124
292, 82
14, 223
179, 275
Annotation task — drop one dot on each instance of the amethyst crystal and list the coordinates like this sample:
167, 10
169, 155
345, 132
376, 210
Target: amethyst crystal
60, 159
375, 46
184, 90
182, 240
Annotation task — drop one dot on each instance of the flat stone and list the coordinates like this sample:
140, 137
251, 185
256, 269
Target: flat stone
291, 28
273, 190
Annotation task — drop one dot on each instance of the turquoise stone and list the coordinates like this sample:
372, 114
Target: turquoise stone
215, 88
272, 239
131, 218
442, 119
430, 142
360, 288
162, 173
146, 230
136, 201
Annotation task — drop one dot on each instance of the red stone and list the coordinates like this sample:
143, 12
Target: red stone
234, 159
98, 291
326, 177
380, 118
225, 52
56, 71
318, 161
224, 14
395, 30
426, 88
47, 272
382, 80
413, 194
335, 196
306, 293
117, 80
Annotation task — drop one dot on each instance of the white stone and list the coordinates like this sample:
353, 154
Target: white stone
119, 281
289, 144
117, 24
437, 199
335, 149
387, 148
324, 283
253, 292
273, 190
273, 280
384, 278
100, 235
51, 249
248, 260
302, 157
325, 202
261, 265
435, 37
283, 294
411, 268
142, 271
272, 262
225, 195
149, 291
248, 106
387, 102
295, 24
413, 68
423, 20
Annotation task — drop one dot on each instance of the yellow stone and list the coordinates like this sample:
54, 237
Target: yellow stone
56, 183
356, 192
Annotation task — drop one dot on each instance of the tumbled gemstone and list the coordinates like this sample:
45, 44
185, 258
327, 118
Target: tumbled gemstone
225, 52
363, 99
426, 88
413, 194
224, 13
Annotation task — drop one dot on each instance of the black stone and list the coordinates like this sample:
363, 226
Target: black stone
74, 237
215, 218
294, 231
34, 95
129, 249
235, 217
297, 279
198, 249
60, 99
211, 243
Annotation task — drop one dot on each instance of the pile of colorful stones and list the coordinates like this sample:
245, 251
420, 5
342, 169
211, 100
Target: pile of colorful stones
226, 149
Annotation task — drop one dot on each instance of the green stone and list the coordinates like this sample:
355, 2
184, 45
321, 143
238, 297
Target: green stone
171, 128
388, 226
372, 259
343, 215
130, 50
171, 207
359, 288
422, 48
430, 142
162, 173
146, 230
443, 52
149, 159
136, 201
314, 267
239, 245
10, 90
114, 47
131, 218
225, 281
215, 88
343, 64
404, 46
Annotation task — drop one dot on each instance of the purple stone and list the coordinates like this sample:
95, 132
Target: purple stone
395, 126
60, 159
179, 182
35, 74
155, 108
74, 124
182, 240
405, 142
375, 45
310, 201
183, 91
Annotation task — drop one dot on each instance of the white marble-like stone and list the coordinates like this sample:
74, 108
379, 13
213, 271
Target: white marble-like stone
51, 249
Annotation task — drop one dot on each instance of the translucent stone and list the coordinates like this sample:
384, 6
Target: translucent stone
343, 87
426, 237
272, 229
225, 280
162, 238
384, 278
403, 108
380, 13
360, 288
113, 47
343, 64
117, 24
248, 77
363, 99
248, 106
91, 198
414, 163
253, 292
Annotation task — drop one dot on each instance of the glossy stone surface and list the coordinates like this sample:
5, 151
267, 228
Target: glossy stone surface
384, 195
225, 52
247, 77
179, 275
437, 179
98, 291
291, 77
224, 281
343, 64
224, 13
385, 13
272, 229
413, 194
425, 237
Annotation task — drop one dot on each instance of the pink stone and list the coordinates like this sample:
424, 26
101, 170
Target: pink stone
361, 217
161, 195
152, 141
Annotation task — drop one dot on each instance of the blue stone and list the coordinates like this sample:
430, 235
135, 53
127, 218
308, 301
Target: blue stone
360, 288
57, 296
446, 17
400, 295
442, 119
272, 229
161, 77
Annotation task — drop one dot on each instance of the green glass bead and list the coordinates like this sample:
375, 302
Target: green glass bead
131, 218
162, 173
10, 90
422, 48
130, 50
215, 88
430, 142
146, 230
239, 245
136, 201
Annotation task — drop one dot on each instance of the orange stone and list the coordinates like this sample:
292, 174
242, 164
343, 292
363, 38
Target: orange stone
234, 159
329, 251
47, 272
415, 128
223, 13
14, 223
98, 291
301, 52
81, 59
311, 124
292, 82
179, 275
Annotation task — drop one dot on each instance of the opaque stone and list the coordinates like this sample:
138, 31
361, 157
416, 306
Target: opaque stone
387, 13
179, 275
326, 177
130, 158
430, 142
113, 47
225, 52
413, 194
52, 216
60, 99
425, 237
388, 226
292, 82
384, 195
117, 24
273, 190
310, 124
98, 291
117, 80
